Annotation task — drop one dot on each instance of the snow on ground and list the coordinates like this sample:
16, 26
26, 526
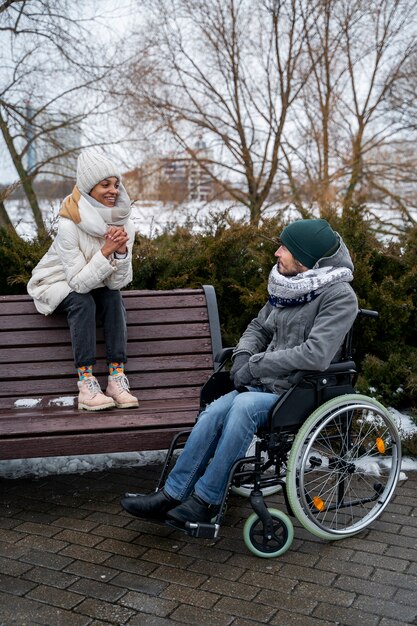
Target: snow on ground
18, 468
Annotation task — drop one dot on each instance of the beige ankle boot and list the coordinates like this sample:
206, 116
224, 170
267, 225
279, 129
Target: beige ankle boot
118, 389
90, 397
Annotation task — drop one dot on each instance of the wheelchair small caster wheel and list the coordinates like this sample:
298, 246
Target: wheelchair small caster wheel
278, 542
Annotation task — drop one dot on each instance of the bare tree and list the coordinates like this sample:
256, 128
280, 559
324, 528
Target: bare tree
229, 71
349, 135
55, 77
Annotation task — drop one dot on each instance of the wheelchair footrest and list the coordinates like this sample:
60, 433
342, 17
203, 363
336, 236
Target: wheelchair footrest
198, 529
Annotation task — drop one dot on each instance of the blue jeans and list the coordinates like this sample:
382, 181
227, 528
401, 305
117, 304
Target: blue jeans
81, 310
221, 436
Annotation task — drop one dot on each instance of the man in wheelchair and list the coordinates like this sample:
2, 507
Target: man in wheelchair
310, 309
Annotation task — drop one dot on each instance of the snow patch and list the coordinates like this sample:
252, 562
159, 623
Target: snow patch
27, 403
20, 468
62, 401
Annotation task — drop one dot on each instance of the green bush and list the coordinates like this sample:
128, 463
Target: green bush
17, 259
236, 258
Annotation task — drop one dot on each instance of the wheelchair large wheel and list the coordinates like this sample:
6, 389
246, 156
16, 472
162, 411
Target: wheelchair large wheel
277, 543
343, 466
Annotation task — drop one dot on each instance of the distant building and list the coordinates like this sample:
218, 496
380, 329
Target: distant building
173, 179
55, 148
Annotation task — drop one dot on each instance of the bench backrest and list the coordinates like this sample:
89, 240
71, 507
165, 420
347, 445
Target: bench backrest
172, 339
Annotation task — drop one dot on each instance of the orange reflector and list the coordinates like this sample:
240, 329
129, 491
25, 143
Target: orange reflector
380, 445
318, 503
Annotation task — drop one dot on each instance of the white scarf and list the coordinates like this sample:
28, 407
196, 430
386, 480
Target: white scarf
92, 216
304, 287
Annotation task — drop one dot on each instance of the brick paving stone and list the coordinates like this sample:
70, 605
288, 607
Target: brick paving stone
78, 537
212, 568
83, 553
95, 589
112, 546
13, 568
232, 589
242, 608
308, 574
21, 612
144, 584
91, 570
366, 587
149, 604
358, 570
57, 597
198, 617
137, 566
145, 619
46, 559
391, 609
410, 554
72, 523
376, 560
285, 618
269, 581
180, 577
45, 544
113, 613
404, 596
320, 593
50, 577
345, 616
188, 595
408, 581
287, 601
11, 584
203, 550
115, 532
37, 528
167, 558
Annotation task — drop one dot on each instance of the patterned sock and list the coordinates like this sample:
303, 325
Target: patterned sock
116, 368
86, 371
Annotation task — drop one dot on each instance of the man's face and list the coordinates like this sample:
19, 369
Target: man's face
287, 265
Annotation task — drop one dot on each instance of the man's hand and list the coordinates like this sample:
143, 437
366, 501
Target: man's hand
243, 376
239, 361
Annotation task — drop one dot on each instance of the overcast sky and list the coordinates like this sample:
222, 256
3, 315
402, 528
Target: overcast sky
118, 16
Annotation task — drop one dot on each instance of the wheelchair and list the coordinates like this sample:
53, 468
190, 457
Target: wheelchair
334, 453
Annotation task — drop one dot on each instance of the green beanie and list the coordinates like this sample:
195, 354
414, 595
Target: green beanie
310, 240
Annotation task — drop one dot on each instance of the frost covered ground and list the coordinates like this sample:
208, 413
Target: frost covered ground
19, 468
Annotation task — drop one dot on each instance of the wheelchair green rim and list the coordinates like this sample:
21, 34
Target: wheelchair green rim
255, 547
301, 473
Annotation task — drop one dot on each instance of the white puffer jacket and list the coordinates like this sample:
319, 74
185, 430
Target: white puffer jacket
74, 262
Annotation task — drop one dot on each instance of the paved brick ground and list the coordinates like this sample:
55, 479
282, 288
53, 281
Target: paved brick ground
70, 557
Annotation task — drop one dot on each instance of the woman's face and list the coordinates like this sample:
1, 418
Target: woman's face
106, 191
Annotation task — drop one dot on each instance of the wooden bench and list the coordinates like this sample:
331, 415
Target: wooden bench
172, 339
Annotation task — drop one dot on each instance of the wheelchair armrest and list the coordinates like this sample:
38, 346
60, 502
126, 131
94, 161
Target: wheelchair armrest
342, 366
221, 357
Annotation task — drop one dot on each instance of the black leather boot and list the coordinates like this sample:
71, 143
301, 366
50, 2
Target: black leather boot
153, 506
194, 509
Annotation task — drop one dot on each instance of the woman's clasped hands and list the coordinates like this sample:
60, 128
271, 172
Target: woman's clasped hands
116, 241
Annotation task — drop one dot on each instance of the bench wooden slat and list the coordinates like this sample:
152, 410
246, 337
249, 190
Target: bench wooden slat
94, 443
61, 336
172, 338
139, 348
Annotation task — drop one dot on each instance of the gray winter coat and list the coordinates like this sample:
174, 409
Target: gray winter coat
305, 337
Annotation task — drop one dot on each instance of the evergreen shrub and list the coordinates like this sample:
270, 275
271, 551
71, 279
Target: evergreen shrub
236, 258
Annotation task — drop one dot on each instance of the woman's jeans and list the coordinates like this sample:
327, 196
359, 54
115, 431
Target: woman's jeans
81, 310
223, 433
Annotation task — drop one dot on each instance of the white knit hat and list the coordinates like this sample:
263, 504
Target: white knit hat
93, 167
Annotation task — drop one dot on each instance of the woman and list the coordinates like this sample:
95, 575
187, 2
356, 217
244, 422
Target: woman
83, 271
